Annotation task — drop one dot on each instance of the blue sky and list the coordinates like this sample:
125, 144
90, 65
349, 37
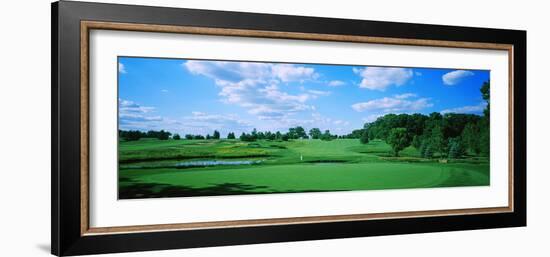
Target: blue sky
200, 96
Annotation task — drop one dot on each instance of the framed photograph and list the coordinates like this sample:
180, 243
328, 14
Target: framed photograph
178, 128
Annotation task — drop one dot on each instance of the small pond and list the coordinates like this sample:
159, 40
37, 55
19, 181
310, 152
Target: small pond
215, 163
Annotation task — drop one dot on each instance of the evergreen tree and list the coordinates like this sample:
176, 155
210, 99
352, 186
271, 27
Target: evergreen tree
438, 141
216, 135
456, 150
231, 135
470, 138
417, 141
484, 133
326, 136
428, 152
364, 137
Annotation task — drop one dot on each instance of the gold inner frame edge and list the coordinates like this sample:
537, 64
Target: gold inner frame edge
86, 26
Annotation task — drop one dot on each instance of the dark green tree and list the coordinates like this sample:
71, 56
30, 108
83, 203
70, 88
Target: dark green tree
326, 135
131, 135
315, 133
484, 124
364, 137
486, 95
301, 132
484, 138
426, 150
456, 149
470, 138
247, 137
398, 139
176, 137
254, 135
216, 135
438, 142
164, 135
161, 135
285, 137
417, 141
231, 135
261, 135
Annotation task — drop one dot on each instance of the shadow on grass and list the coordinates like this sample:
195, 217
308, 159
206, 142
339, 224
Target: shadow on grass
138, 190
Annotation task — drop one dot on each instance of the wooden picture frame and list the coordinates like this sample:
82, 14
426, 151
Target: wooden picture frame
71, 25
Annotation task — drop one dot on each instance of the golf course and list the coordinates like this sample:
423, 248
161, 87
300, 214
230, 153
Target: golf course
192, 127
150, 168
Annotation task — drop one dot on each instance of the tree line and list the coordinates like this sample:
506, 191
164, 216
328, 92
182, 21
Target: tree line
132, 135
449, 135
293, 133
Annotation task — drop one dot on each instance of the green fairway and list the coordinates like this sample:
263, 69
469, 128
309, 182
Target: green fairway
178, 168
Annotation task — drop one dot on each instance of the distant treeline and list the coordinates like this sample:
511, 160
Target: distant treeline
215, 135
293, 133
131, 135
447, 135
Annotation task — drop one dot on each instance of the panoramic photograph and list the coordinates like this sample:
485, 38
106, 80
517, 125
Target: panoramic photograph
190, 127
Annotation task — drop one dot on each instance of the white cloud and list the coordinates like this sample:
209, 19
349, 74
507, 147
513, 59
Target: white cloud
455, 77
204, 123
392, 105
259, 72
134, 116
129, 117
380, 78
319, 92
313, 120
341, 122
255, 86
405, 96
121, 68
290, 72
195, 113
467, 109
336, 83
126, 106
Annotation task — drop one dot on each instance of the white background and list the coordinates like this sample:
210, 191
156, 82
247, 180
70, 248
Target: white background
25, 128
106, 211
